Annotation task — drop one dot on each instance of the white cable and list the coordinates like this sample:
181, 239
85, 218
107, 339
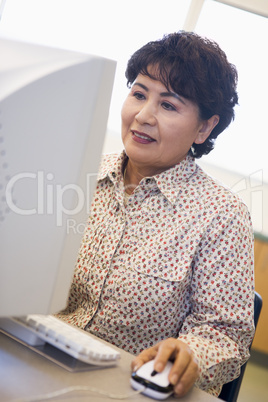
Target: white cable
64, 391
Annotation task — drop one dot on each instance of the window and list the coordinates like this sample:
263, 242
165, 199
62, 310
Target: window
242, 35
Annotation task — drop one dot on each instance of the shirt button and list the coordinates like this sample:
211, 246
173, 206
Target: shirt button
114, 175
147, 181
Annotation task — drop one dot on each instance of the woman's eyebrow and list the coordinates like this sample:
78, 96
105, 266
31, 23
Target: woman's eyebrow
141, 85
164, 94
173, 95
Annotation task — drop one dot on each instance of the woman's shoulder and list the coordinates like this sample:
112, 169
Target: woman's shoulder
211, 190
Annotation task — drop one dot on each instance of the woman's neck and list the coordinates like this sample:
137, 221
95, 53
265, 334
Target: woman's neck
132, 177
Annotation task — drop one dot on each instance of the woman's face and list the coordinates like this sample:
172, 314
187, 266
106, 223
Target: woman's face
159, 126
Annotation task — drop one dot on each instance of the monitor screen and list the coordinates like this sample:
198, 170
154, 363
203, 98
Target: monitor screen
54, 108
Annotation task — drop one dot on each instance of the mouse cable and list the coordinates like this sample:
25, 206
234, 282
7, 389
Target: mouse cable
75, 388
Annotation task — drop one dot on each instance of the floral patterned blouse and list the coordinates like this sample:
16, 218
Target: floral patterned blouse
174, 260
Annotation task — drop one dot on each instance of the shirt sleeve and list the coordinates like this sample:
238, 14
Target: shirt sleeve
220, 326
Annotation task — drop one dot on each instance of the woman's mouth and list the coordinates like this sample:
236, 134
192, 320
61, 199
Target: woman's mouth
142, 138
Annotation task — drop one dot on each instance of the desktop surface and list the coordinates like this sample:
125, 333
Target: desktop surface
24, 374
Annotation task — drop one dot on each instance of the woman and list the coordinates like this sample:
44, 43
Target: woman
165, 268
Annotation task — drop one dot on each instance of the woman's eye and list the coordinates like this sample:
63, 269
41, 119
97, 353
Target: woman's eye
139, 95
168, 106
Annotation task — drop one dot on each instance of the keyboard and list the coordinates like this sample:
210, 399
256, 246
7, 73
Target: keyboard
40, 329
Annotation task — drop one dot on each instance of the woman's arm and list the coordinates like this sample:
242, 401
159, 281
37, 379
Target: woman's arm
214, 339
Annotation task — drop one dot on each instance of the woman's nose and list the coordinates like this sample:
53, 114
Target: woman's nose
146, 114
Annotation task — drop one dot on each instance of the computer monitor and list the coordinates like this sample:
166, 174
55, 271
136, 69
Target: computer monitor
54, 107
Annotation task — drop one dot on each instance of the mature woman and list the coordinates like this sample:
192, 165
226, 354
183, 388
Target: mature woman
165, 268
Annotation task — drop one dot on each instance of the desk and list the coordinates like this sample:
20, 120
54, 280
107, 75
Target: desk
24, 373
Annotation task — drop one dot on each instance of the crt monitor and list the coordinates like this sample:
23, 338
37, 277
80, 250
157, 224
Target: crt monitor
54, 107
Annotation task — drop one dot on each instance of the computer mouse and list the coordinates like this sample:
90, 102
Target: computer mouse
156, 384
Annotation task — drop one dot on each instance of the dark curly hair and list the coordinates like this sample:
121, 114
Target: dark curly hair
197, 69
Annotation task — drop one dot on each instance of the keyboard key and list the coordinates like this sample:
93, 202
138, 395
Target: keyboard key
77, 343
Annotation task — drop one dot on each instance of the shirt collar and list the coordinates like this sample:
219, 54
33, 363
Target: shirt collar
169, 182
112, 166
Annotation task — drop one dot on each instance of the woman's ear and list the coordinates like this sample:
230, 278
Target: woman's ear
206, 127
